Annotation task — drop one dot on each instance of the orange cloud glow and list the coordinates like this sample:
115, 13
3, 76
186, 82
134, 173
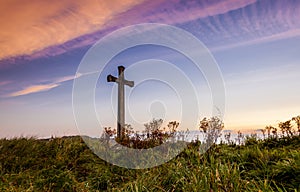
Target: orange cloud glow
31, 25
44, 87
34, 89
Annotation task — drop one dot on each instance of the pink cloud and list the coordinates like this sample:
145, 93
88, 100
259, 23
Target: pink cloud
42, 87
4, 83
33, 89
254, 22
176, 11
68, 20
28, 26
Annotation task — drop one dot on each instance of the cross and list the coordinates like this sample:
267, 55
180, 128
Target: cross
121, 99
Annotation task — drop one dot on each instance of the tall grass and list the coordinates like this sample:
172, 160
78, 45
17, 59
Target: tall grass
67, 164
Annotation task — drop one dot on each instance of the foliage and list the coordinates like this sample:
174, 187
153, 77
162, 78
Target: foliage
152, 136
297, 121
212, 128
285, 127
66, 164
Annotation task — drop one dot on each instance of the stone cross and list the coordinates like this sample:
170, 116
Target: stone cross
121, 99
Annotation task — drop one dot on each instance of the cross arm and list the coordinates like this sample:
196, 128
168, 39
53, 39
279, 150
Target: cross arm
129, 83
111, 78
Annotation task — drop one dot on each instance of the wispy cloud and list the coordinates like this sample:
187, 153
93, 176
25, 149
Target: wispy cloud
67, 78
257, 23
2, 83
65, 25
258, 40
219, 24
33, 89
42, 87
31, 25
175, 11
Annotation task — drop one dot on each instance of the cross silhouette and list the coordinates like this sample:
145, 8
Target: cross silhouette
121, 99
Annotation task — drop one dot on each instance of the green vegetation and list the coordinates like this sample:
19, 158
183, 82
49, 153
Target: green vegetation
67, 164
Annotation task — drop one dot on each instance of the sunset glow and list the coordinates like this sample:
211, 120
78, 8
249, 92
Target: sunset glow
255, 43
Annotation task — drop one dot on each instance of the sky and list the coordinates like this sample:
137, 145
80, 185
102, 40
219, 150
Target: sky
256, 45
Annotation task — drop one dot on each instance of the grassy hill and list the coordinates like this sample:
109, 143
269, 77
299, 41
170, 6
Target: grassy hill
67, 164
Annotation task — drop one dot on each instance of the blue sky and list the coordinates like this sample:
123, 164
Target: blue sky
255, 43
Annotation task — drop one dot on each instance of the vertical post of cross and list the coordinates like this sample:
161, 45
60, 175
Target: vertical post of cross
121, 104
121, 99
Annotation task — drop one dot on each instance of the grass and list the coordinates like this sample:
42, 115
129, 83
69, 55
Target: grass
67, 164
